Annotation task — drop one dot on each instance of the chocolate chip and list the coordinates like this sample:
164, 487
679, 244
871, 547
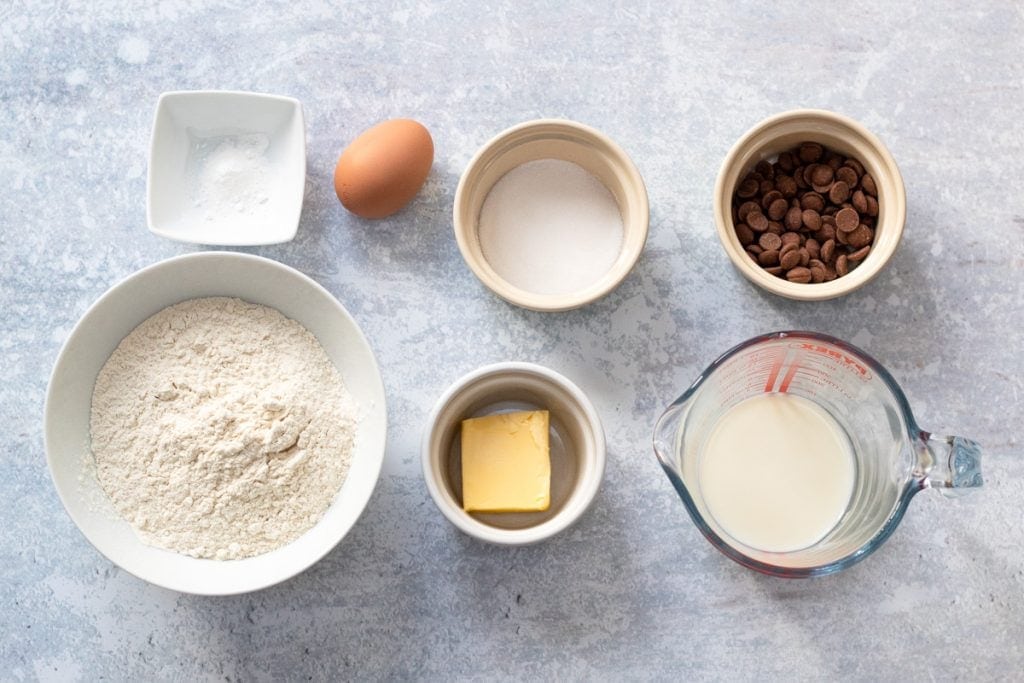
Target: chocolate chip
810, 219
786, 185
839, 192
813, 200
860, 254
768, 198
790, 259
861, 237
757, 221
770, 242
808, 170
872, 206
847, 220
777, 209
748, 188
842, 267
793, 220
828, 250
859, 201
798, 178
799, 274
821, 174
744, 234
813, 248
745, 209
768, 258
810, 152
790, 239
827, 232
868, 185
847, 175
857, 167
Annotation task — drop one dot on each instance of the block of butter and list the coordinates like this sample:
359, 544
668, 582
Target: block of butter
506, 464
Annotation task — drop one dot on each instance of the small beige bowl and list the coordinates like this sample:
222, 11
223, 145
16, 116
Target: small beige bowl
567, 141
839, 133
577, 449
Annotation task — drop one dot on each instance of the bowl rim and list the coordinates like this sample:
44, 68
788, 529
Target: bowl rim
580, 499
634, 237
241, 241
818, 291
83, 321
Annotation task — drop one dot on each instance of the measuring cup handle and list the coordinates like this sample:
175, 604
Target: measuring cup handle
952, 464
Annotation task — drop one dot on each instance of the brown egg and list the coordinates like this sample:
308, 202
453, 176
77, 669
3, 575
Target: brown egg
384, 168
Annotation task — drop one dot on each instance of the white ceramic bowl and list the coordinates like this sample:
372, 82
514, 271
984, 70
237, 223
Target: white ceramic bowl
117, 313
552, 139
210, 179
841, 134
577, 448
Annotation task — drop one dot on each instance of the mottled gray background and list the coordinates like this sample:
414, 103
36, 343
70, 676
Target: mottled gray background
632, 591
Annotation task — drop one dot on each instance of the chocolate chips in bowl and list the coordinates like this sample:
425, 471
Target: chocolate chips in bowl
807, 216
809, 205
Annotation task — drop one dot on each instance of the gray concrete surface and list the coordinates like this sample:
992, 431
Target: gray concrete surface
633, 591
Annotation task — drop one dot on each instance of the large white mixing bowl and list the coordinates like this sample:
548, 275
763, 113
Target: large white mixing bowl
117, 313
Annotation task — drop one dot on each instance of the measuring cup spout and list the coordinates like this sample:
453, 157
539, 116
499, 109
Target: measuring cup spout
666, 435
951, 464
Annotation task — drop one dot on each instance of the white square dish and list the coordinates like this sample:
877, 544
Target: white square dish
226, 168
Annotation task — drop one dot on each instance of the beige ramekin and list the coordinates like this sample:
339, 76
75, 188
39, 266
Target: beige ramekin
567, 141
841, 134
577, 449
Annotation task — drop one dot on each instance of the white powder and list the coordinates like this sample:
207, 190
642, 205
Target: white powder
232, 175
221, 429
550, 227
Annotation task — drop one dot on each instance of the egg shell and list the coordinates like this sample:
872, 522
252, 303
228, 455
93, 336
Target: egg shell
384, 168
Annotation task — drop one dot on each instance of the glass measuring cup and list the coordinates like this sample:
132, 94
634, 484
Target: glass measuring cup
893, 457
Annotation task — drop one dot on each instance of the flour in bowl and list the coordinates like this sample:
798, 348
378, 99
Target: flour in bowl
221, 429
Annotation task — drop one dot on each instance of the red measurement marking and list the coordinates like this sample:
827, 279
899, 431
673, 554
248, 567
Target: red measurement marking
788, 378
773, 374
837, 355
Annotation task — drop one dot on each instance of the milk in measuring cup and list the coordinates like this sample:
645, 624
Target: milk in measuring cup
777, 472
